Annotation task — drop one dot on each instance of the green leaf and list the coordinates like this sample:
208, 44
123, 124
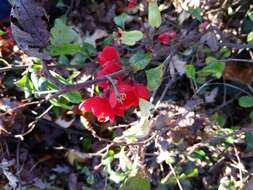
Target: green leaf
62, 33
60, 102
64, 49
251, 115
190, 71
154, 15
214, 69
140, 60
88, 49
250, 15
196, 12
246, 101
249, 139
154, 77
73, 97
121, 20
131, 37
2, 32
137, 182
250, 38
26, 85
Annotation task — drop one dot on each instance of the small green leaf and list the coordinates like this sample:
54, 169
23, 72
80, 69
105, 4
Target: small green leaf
251, 115
137, 182
2, 32
246, 101
190, 71
214, 69
154, 77
73, 97
196, 12
140, 60
131, 37
88, 49
121, 20
250, 15
60, 102
154, 15
26, 85
64, 49
250, 38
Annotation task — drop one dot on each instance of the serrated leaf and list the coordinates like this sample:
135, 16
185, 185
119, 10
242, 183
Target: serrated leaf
154, 15
140, 60
154, 77
131, 37
246, 101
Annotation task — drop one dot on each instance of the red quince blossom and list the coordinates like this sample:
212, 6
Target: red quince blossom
108, 68
166, 37
100, 107
131, 4
109, 53
128, 96
204, 25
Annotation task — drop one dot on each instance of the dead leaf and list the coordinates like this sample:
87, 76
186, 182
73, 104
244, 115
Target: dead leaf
210, 40
178, 65
239, 72
98, 34
29, 27
210, 97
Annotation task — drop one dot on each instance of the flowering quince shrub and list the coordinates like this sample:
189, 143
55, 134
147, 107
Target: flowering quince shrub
117, 97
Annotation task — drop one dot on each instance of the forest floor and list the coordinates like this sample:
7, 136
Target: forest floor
197, 134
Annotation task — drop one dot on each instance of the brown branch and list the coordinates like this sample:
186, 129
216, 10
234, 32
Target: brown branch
79, 86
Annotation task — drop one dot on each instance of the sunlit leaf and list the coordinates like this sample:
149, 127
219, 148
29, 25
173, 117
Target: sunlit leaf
131, 37
154, 77
140, 60
154, 15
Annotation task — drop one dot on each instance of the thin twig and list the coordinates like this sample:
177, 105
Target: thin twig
79, 86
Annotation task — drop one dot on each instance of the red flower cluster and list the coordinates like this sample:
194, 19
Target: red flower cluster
114, 102
204, 25
131, 4
166, 37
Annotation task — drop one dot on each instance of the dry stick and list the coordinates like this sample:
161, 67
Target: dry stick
79, 86
229, 44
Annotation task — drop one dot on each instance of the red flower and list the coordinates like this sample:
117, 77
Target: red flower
131, 4
204, 25
109, 53
108, 68
128, 96
166, 37
100, 107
